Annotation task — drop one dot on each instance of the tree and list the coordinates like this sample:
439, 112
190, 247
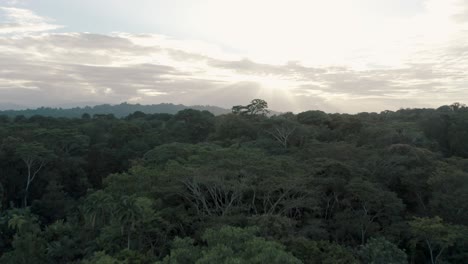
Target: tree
405, 170
64, 142
2, 193
85, 116
35, 156
437, 235
230, 245
191, 125
28, 245
217, 182
213, 195
450, 192
232, 126
97, 208
324, 252
256, 107
282, 130
100, 257
129, 212
65, 243
367, 208
316, 118
381, 251
183, 250
54, 203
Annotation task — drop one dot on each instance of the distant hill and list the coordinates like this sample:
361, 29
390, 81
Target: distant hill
10, 106
119, 110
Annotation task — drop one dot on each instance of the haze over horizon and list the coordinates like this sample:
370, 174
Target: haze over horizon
336, 56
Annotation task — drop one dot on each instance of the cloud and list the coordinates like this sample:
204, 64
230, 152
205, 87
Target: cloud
18, 20
461, 13
13, 2
38, 67
52, 68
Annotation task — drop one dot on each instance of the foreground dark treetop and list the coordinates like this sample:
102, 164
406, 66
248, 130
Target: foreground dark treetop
189, 186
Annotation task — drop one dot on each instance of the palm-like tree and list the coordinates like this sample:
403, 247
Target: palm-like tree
130, 211
98, 208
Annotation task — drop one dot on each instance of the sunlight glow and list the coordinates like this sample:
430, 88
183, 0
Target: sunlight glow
323, 32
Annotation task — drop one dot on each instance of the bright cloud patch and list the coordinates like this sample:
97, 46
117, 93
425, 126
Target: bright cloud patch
17, 20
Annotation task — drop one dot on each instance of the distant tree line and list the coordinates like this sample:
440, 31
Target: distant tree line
120, 110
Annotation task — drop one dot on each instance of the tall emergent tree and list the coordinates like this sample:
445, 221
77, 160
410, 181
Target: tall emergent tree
35, 156
256, 107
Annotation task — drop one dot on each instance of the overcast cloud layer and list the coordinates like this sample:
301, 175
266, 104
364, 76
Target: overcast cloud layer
424, 65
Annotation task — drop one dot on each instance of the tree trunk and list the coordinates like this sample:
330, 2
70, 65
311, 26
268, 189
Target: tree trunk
128, 240
363, 235
430, 251
26, 190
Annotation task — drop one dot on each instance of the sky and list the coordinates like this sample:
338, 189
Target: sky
344, 56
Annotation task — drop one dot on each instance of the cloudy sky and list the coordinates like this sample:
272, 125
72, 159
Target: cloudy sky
332, 55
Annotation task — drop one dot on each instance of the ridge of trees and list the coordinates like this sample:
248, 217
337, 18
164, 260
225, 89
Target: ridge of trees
119, 110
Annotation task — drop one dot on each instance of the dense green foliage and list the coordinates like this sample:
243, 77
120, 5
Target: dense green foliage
120, 110
192, 187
